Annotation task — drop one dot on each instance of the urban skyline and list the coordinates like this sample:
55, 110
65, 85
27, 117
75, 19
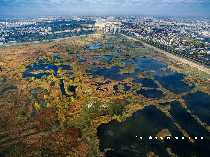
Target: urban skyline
34, 8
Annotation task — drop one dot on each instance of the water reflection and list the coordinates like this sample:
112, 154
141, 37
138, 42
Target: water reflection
121, 137
171, 81
151, 93
43, 67
92, 46
112, 73
199, 104
146, 83
149, 64
187, 122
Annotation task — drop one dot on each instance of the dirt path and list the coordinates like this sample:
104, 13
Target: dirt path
183, 60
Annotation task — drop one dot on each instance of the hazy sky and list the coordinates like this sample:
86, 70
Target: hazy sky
24, 8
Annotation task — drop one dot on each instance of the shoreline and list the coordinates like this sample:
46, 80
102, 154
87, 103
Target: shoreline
183, 60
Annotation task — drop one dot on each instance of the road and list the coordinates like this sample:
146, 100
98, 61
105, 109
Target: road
183, 60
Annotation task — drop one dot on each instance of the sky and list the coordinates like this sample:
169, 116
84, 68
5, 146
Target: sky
37, 8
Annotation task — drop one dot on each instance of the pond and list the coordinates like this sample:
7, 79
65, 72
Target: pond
151, 93
96, 46
44, 67
35, 92
108, 57
108, 44
23, 54
112, 73
5, 80
187, 122
199, 104
41, 61
124, 137
126, 87
72, 89
121, 137
146, 83
168, 79
149, 64
62, 87
92, 46
11, 87
171, 81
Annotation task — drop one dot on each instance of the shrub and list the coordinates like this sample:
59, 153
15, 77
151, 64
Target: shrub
121, 64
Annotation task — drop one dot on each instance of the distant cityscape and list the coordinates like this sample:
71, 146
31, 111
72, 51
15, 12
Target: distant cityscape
189, 38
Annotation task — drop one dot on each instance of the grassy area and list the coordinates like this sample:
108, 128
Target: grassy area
1, 47
74, 118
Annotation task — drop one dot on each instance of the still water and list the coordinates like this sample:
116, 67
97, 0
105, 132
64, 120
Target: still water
199, 104
121, 136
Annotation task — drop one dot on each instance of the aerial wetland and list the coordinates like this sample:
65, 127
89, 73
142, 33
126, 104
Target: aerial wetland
101, 95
